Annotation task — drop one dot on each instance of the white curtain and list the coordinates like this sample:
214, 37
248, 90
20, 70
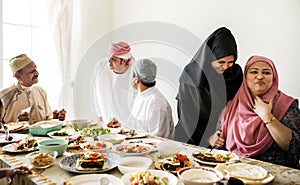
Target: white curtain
61, 20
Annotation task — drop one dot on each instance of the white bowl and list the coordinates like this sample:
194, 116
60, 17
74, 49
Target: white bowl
79, 124
199, 176
112, 138
133, 164
168, 148
42, 160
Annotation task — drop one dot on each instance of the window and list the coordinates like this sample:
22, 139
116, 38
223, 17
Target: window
25, 29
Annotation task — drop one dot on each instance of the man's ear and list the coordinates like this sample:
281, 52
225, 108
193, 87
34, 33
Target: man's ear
136, 80
18, 76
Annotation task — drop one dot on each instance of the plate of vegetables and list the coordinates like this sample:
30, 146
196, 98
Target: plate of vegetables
62, 134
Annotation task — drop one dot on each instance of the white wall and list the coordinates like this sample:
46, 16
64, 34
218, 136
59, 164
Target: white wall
269, 27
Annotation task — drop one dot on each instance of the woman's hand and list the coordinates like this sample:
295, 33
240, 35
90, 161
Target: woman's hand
262, 109
216, 140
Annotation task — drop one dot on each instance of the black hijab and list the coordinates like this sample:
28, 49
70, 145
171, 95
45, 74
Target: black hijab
203, 93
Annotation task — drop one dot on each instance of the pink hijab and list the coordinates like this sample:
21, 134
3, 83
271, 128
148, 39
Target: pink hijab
245, 133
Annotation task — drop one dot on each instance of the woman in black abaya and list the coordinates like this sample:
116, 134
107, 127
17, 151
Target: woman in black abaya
207, 83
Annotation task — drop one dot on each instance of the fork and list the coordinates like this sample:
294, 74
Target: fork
219, 134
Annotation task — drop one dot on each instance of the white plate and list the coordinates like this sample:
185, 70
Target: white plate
233, 159
11, 149
16, 126
69, 163
108, 145
92, 179
150, 141
172, 179
112, 138
269, 178
16, 137
138, 135
70, 132
140, 148
158, 165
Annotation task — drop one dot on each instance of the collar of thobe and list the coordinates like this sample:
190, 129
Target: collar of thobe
24, 89
147, 91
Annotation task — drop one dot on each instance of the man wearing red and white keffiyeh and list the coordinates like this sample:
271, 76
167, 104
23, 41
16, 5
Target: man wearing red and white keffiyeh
114, 94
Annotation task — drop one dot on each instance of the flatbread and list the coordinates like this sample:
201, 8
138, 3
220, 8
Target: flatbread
13, 126
246, 171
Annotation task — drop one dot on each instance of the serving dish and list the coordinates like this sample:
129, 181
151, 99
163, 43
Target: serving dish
69, 163
98, 146
41, 128
92, 179
16, 137
16, 126
133, 149
168, 148
248, 173
62, 134
112, 138
215, 157
199, 176
172, 179
40, 160
150, 141
174, 163
50, 145
133, 164
22, 146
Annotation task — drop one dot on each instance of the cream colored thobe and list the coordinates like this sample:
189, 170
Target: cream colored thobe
17, 98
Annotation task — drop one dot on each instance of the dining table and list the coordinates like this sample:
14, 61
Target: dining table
56, 175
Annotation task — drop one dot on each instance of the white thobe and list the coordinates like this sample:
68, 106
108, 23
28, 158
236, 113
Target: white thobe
114, 94
151, 113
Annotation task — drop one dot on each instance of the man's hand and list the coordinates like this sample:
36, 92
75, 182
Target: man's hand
24, 116
62, 115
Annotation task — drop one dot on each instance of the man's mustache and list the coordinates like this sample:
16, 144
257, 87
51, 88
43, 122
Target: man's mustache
35, 77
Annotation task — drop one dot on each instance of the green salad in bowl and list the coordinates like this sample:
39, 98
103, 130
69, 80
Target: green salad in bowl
94, 131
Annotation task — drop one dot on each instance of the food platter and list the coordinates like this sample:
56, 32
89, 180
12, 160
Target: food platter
172, 179
99, 146
133, 149
91, 179
177, 162
138, 135
16, 126
248, 173
62, 134
16, 137
10, 148
150, 141
132, 134
69, 163
226, 156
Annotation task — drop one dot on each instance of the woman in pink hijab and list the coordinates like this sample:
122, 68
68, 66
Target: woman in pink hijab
261, 121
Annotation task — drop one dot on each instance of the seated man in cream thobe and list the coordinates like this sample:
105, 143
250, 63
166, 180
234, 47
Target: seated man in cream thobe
24, 94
